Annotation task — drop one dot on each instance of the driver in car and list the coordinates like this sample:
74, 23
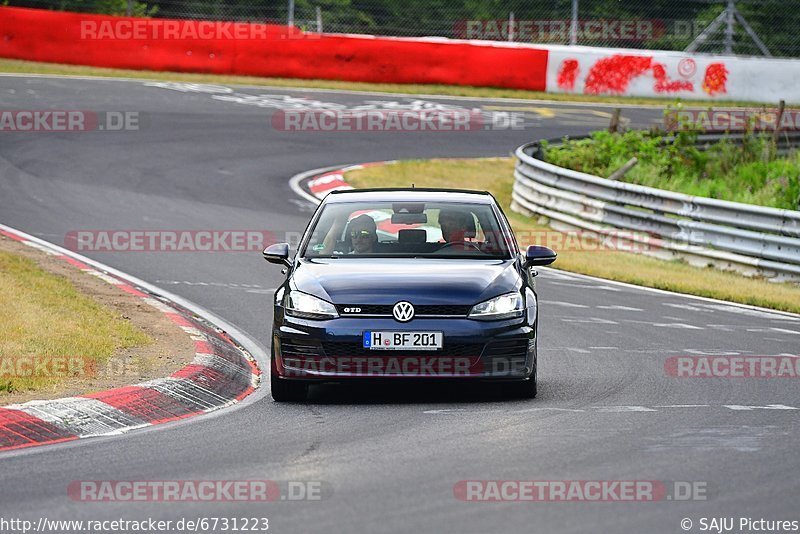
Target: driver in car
458, 229
361, 235
454, 225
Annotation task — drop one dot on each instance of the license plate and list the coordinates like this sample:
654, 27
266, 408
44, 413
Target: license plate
403, 340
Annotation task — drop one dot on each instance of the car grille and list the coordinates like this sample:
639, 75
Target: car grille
507, 348
419, 311
339, 349
300, 349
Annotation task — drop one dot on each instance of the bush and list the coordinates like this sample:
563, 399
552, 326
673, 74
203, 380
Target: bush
751, 172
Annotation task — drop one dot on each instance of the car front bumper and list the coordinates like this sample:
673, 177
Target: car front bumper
332, 349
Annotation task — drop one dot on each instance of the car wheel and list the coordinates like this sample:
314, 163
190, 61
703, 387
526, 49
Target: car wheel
287, 390
527, 389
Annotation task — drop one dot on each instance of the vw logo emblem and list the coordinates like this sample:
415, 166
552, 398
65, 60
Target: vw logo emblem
403, 311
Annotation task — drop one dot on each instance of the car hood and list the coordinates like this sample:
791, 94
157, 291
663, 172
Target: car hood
418, 280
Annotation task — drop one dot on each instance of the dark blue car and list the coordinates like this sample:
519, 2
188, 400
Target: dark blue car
405, 284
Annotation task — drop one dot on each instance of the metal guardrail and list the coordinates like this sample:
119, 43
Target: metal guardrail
754, 240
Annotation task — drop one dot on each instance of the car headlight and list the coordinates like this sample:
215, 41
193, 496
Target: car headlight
530, 300
309, 307
503, 307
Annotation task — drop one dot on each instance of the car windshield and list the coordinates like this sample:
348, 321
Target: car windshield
407, 229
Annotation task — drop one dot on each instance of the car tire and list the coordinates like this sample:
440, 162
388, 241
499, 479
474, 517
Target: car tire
527, 389
287, 390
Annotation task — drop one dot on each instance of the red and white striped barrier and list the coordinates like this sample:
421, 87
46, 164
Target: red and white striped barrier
273, 50
221, 374
647, 73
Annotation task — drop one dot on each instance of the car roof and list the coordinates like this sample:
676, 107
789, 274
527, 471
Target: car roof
418, 194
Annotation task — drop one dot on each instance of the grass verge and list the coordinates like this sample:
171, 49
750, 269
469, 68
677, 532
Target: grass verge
496, 175
30, 67
43, 315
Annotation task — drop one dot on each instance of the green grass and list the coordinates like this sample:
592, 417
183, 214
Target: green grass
495, 175
43, 315
30, 67
752, 173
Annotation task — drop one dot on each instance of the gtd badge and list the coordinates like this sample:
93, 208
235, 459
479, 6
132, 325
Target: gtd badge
352, 310
403, 311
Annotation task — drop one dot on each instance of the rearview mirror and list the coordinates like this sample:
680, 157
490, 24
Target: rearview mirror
278, 253
537, 255
409, 218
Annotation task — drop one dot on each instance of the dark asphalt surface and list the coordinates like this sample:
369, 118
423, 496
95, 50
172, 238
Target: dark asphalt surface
606, 408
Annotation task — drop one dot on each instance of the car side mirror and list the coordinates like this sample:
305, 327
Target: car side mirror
537, 255
278, 253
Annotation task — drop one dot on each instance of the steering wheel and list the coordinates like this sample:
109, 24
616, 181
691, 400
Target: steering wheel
462, 243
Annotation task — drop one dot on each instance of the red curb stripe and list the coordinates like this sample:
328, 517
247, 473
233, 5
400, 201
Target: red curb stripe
224, 335
9, 235
190, 370
245, 393
203, 347
132, 290
19, 429
333, 175
178, 319
319, 188
328, 187
253, 367
73, 262
144, 403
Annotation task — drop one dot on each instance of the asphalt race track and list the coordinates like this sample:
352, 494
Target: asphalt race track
606, 408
